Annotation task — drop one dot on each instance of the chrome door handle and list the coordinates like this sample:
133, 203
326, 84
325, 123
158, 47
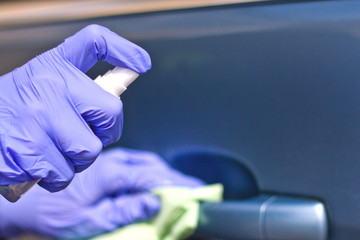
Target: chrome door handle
264, 217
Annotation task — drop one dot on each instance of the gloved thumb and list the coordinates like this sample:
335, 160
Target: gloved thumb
112, 213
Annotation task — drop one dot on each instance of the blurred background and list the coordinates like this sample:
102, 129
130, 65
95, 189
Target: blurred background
25, 12
41, 23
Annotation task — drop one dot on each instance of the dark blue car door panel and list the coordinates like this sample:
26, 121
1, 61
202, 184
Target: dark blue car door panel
276, 86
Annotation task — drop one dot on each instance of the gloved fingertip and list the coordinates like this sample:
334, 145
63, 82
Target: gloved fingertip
82, 157
137, 207
53, 186
147, 63
151, 206
80, 166
141, 63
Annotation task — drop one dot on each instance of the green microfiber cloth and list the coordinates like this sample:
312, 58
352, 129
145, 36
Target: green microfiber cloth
177, 218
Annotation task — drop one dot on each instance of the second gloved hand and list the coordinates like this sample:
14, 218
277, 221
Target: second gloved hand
113, 192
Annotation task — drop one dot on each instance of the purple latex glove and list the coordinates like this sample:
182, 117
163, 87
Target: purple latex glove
113, 192
54, 120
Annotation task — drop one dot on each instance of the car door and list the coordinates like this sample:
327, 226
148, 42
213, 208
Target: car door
270, 89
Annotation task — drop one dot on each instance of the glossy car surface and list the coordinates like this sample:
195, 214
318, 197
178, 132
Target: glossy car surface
273, 85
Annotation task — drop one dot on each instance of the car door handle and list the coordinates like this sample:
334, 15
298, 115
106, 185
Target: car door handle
263, 217
246, 213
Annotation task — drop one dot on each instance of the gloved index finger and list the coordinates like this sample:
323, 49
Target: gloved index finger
95, 42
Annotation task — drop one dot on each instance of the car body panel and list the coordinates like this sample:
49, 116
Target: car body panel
274, 85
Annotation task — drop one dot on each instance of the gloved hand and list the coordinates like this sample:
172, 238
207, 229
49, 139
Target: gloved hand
113, 192
54, 120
